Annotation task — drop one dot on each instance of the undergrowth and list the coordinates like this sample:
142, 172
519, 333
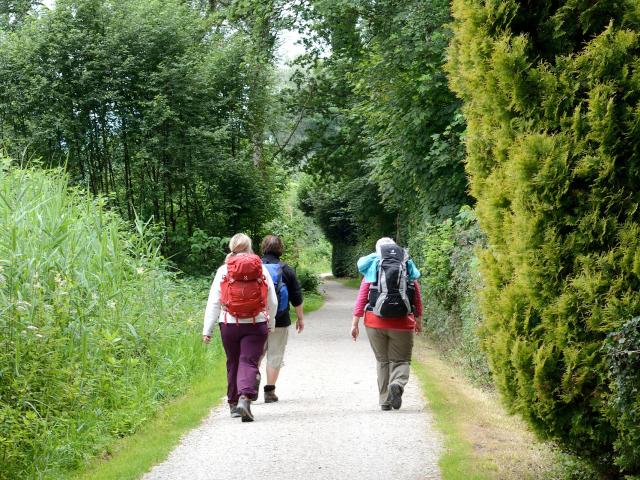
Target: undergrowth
95, 332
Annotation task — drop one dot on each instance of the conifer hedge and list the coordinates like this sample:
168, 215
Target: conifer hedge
552, 100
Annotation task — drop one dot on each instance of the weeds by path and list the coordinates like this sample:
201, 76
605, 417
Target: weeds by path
482, 441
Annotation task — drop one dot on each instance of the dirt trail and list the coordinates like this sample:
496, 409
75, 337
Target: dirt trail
327, 424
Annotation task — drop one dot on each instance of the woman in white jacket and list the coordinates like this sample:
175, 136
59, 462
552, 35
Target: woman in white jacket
243, 335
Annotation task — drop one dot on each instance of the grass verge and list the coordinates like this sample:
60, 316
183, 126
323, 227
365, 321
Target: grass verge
481, 441
312, 302
130, 457
349, 282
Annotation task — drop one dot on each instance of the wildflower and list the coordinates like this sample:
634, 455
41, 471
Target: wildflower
111, 304
39, 336
140, 270
32, 327
22, 306
60, 282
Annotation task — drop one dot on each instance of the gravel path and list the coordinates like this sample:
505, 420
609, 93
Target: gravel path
327, 424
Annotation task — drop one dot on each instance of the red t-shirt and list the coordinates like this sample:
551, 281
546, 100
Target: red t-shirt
372, 320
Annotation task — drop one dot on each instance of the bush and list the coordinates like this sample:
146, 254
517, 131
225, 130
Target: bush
445, 253
623, 358
309, 281
94, 333
344, 258
551, 93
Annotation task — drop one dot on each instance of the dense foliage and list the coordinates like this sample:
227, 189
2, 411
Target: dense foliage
95, 333
155, 104
305, 247
446, 254
382, 134
551, 92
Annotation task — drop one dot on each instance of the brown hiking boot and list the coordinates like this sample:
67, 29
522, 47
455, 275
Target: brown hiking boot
270, 394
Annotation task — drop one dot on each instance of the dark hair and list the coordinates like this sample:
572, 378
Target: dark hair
272, 244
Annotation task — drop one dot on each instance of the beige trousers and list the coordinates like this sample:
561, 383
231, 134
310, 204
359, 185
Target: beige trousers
392, 350
275, 347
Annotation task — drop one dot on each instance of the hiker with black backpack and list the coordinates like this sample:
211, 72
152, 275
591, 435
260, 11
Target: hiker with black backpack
288, 291
243, 302
390, 302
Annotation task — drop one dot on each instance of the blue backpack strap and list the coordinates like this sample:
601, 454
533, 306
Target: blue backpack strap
275, 270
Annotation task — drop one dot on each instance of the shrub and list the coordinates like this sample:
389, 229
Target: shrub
344, 258
551, 93
623, 355
309, 281
94, 333
445, 254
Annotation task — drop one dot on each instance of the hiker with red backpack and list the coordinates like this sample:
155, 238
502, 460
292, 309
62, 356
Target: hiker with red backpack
288, 291
243, 302
389, 300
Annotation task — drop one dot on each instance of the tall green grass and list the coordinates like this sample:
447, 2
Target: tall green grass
95, 333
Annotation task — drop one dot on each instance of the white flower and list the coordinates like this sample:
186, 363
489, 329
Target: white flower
111, 304
39, 336
32, 327
140, 270
22, 306
61, 282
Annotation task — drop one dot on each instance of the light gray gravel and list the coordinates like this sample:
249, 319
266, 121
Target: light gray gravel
327, 424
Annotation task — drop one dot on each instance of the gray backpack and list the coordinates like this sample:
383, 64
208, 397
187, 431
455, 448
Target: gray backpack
390, 295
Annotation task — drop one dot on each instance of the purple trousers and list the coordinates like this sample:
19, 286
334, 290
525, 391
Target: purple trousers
244, 345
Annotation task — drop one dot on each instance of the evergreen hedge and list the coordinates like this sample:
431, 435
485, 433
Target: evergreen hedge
552, 100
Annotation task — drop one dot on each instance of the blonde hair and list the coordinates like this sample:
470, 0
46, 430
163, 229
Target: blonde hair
239, 243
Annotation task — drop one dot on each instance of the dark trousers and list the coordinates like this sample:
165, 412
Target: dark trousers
244, 344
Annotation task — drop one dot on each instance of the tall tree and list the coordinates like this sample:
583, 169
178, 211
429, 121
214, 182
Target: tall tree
383, 135
150, 103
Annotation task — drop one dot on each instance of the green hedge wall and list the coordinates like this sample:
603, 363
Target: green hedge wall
551, 95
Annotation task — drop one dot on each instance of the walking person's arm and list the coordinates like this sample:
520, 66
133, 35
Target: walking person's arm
300, 321
417, 304
295, 294
358, 309
212, 311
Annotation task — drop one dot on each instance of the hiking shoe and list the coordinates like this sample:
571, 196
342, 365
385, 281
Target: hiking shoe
253, 398
385, 407
233, 408
244, 409
270, 394
395, 395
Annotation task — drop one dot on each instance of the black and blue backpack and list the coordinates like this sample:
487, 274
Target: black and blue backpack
275, 270
393, 293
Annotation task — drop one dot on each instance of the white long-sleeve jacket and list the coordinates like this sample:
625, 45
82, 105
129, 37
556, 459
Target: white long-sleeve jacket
214, 310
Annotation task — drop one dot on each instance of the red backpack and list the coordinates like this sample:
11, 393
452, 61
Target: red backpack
244, 288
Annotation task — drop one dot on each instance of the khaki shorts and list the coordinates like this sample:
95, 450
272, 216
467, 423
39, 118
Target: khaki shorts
276, 344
